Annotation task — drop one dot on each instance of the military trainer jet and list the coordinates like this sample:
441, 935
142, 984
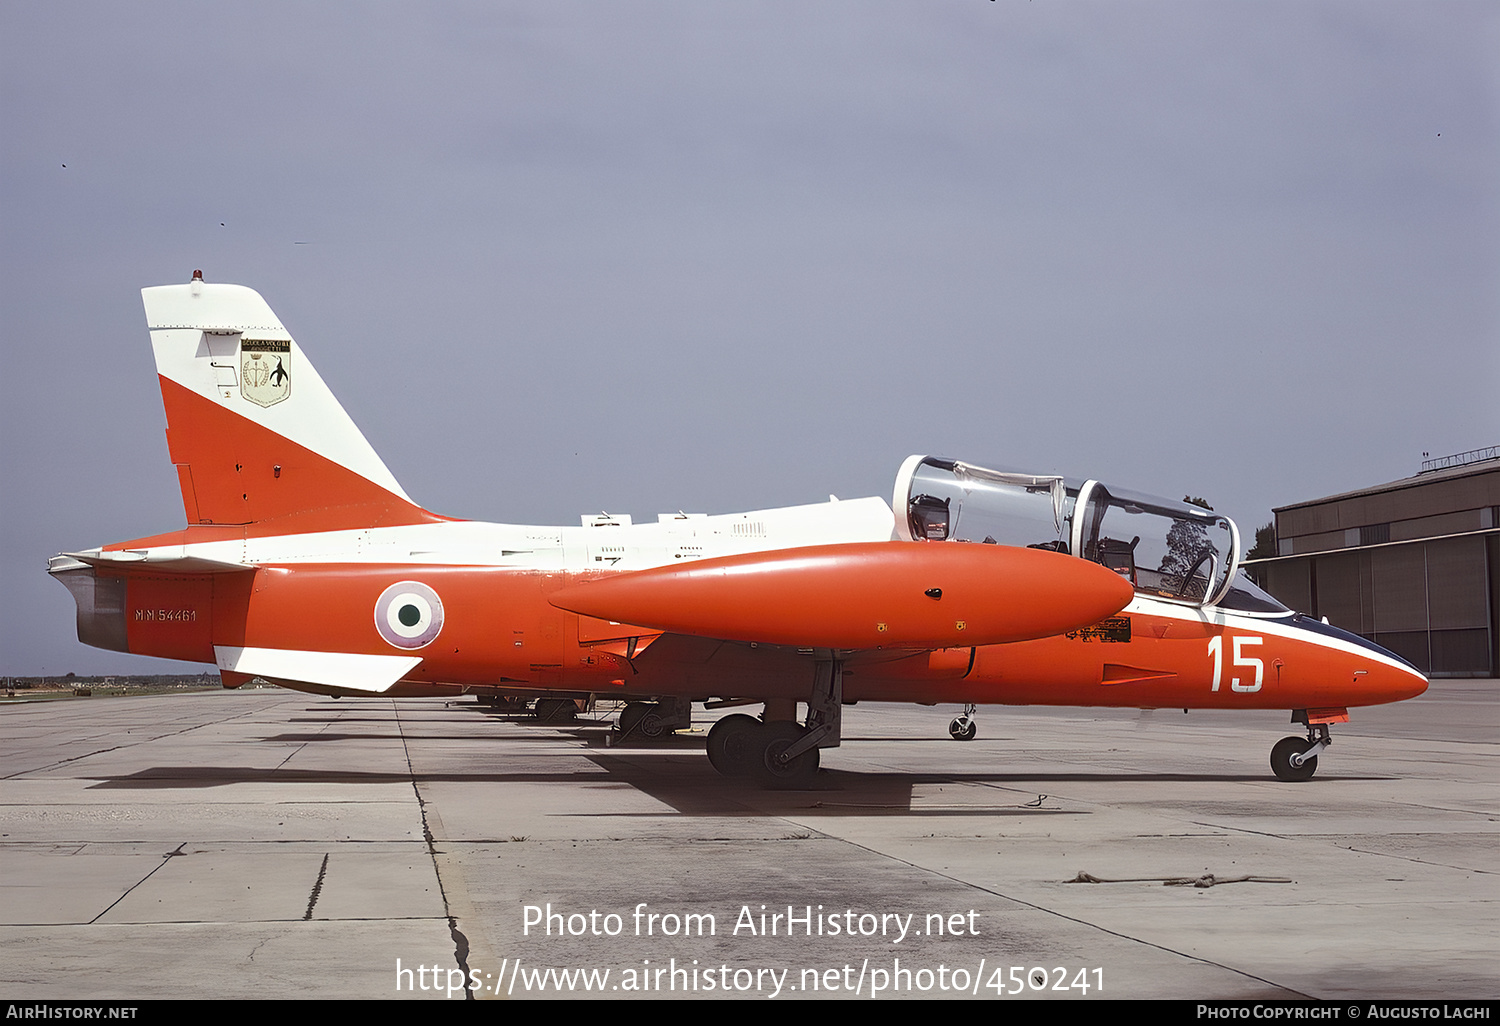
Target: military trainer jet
305, 564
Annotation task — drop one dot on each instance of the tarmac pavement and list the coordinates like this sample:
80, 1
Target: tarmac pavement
269, 844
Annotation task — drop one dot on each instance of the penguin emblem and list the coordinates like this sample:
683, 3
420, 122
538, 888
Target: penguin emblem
265, 370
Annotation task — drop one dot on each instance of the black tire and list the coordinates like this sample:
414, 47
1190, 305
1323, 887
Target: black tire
556, 710
731, 745
652, 726
769, 742
963, 729
1281, 760
642, 720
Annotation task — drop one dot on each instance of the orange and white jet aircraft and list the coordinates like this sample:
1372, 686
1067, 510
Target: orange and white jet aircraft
304, 563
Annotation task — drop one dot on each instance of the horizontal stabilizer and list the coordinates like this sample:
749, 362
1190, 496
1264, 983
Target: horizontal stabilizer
350, 670
862, 595
129, 559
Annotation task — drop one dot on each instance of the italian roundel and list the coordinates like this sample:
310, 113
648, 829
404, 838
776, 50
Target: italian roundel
409, 614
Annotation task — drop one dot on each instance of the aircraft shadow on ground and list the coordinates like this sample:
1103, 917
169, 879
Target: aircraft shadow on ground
674, 771
695, 788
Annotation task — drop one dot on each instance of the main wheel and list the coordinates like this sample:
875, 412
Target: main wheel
642, 719
770, 771
731, 744
963, 729
1281, 759
556, 710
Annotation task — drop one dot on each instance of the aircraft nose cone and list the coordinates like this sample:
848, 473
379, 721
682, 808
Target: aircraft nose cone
1382, 684
1408, 684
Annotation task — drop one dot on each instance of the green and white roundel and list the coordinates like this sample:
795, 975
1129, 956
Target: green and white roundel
409, 614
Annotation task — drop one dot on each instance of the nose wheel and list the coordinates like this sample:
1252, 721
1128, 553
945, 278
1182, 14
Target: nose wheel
1295, 758
964, 728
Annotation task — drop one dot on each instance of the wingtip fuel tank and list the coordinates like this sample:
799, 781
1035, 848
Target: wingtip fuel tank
862, 596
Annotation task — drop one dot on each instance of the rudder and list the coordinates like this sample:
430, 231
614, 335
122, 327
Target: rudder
255, 434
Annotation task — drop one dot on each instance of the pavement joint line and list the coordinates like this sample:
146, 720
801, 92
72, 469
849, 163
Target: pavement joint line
1083, 922
121, 747
321, 730
164, 860
1417, 861
460, 942
312, 899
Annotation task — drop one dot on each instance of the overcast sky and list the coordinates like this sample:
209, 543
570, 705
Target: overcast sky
558, 258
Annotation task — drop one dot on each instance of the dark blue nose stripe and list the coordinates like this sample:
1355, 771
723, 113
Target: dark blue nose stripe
1308, 623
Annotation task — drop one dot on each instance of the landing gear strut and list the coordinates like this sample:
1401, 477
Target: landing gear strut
964, 728
1295, 758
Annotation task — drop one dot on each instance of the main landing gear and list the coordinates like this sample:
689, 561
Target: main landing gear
652, 720
555, 710
743, 746
775, 751
964, 728
1295, 758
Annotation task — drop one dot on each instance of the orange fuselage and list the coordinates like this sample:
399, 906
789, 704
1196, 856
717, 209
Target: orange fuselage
501, 631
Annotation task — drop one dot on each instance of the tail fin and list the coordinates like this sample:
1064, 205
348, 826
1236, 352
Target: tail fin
257, 437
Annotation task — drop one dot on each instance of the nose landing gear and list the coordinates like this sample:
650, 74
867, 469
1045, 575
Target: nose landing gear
1295, 759
963, 728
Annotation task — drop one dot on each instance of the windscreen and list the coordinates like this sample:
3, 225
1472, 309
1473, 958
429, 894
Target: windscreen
1246, 596
1167, 549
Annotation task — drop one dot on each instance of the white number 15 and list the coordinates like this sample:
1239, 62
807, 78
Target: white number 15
1216, 649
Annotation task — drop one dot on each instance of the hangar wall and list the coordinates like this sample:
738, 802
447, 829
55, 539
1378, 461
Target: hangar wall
1413, 565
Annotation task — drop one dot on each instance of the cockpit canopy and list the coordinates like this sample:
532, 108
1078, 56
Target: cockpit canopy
1168, 550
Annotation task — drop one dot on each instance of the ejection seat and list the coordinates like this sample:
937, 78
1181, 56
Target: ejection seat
1119, 556
929, 518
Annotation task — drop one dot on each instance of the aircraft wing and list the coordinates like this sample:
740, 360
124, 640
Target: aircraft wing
865, 595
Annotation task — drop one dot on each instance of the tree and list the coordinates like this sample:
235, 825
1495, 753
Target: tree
1189, 554
1264, 548
1265, 543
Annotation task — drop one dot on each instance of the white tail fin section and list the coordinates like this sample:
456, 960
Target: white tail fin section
254, 432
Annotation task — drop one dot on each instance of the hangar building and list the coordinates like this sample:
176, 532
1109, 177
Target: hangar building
1413, 565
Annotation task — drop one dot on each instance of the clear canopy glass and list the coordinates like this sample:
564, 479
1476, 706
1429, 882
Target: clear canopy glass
948, 500
1170, 550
